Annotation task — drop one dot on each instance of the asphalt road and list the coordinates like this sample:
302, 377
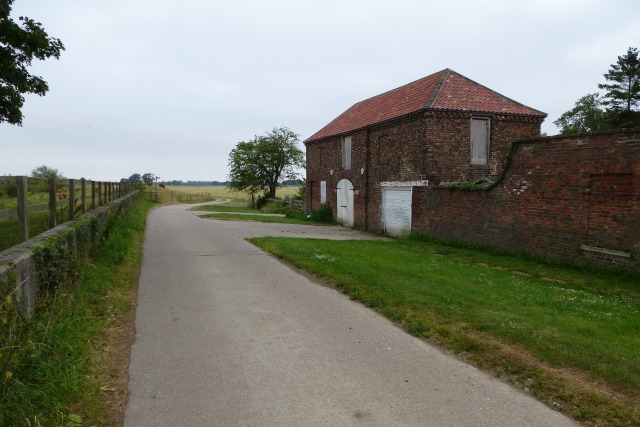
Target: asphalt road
226, 335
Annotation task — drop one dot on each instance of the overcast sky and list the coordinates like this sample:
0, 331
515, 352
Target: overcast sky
169, 87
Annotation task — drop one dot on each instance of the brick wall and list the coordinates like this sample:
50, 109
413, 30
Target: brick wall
431, 145
574, 198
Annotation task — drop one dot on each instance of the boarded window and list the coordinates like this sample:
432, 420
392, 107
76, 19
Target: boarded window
323, 191
479, 141
346, 153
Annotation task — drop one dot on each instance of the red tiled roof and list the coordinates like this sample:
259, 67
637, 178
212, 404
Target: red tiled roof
445, 90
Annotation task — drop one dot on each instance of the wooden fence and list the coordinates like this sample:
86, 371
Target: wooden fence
65, 198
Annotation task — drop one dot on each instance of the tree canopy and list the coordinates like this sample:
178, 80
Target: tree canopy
19, 46
261, 164
620, 101
133, 179
148, 178
586, 116
45, 171
623, 87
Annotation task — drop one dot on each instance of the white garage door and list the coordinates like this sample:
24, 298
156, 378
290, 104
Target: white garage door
396, 210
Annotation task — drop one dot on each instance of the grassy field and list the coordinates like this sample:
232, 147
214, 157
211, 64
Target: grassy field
220, 192
569, 337
38, 223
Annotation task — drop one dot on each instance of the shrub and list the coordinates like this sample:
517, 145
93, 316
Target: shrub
261, 201
323, 213
300, 193
274, 206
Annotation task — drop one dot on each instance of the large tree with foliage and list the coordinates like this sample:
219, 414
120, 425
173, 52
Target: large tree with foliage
134, 179
623, 87
261, 164
19, 46
620, 100
623, 91
586, 116
45, 171
148, 177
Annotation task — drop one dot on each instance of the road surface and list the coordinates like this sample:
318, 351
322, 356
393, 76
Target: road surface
226, 335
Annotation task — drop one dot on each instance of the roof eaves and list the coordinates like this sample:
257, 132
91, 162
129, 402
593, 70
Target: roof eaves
488, 112
362, 128
542, 114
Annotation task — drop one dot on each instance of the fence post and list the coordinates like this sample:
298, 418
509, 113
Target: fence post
83, 194
93, 194
53, 204
23, 218
72, 198
100, 193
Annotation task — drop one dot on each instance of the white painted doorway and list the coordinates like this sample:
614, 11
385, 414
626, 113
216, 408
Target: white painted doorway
345, 203
396, 210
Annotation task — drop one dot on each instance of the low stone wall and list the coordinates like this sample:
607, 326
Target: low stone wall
31, 268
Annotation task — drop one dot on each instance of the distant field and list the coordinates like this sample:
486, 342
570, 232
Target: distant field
224, 192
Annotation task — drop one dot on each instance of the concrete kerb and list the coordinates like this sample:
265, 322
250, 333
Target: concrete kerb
18, 273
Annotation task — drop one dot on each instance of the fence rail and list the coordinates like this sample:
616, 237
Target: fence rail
65, 199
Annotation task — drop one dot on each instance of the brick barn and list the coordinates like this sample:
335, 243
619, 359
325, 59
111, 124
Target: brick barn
441, 129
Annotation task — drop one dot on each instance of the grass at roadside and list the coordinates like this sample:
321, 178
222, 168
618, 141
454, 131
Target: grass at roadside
261, 218
224, 208
567, 336
61, 375
273, 212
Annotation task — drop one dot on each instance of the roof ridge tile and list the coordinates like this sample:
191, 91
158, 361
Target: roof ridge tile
436, 91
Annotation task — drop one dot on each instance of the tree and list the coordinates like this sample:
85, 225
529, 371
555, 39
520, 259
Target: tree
19, 45
623, 91
135, 179
46, 172
261, 164
148, 177
586, 116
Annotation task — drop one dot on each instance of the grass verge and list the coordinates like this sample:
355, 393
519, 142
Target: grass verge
261, 218
224, 208
567, 336
62, 374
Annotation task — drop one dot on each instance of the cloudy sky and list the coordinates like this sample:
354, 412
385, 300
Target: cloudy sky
169, 87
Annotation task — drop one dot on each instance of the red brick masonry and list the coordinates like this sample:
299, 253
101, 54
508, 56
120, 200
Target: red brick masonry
575, 198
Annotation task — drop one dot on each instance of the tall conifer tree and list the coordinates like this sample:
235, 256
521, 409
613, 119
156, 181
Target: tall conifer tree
623, 91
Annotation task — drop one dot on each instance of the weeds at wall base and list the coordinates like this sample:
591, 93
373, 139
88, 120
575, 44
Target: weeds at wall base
524, 256
50, 377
